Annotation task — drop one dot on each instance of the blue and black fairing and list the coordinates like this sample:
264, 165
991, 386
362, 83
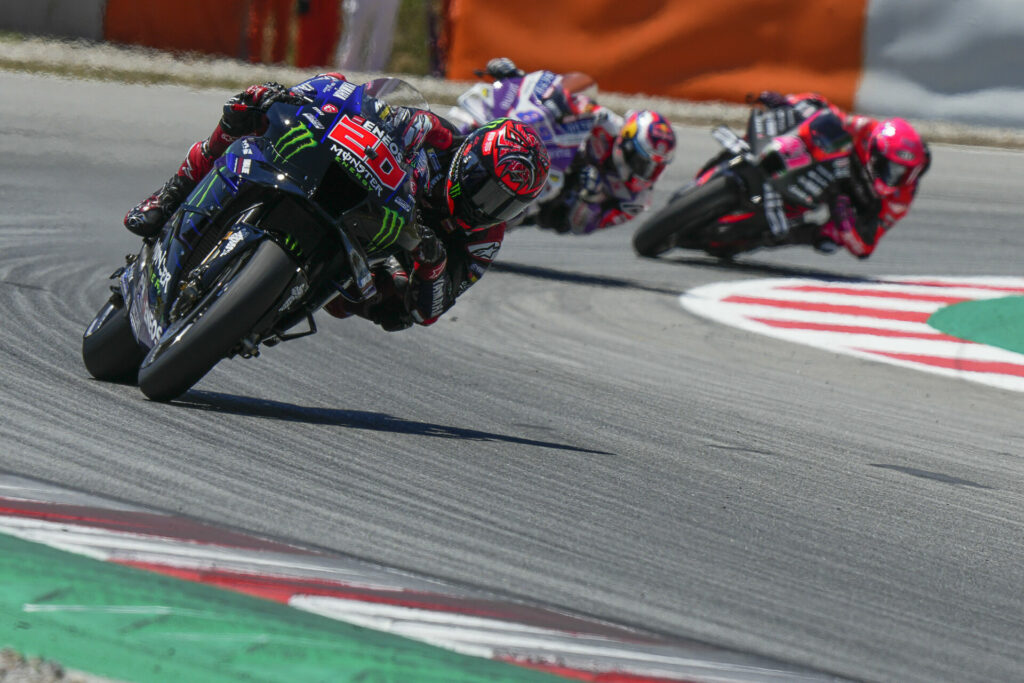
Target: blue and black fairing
338, 154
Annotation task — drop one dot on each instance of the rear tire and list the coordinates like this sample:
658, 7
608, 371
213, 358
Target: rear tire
109, 348
680, 221
217, 324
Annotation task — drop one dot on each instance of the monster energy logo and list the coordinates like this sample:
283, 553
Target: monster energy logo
292, 245
455, 190
389, 229
296, 139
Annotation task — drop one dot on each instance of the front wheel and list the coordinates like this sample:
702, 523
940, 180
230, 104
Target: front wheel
109, 348
217, 324
681, 220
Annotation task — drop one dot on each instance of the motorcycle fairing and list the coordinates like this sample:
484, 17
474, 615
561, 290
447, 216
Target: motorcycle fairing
294, 156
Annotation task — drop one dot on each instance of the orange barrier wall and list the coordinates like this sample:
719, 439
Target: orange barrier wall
689, 49
210, 26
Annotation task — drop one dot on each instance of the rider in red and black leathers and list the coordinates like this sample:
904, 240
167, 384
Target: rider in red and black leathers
893, 158
464, 189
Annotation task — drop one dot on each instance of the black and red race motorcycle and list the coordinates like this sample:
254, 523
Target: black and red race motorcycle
775, 186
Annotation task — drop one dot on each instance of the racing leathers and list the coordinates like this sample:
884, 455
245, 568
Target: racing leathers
441, 257
452, 255
600, 189
860, 215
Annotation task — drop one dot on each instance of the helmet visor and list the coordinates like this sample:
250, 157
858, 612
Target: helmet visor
492, 204
642, 166
890, 172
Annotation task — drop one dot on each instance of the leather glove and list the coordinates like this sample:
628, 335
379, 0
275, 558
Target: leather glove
429, 257
429, 292
590, 184
503, 67
244, 112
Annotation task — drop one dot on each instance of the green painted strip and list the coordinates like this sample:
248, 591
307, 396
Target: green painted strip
996, 322
133, 625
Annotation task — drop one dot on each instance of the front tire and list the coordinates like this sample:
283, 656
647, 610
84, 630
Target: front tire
681, 220
217, 324
109, 348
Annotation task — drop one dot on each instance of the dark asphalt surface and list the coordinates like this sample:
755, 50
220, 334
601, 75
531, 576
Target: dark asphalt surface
566, 433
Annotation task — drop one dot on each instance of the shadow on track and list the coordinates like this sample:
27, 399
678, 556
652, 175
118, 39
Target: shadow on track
575, 278
732, 266
695, 261
355, 419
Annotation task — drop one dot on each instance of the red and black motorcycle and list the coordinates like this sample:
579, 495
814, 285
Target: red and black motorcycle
776, 186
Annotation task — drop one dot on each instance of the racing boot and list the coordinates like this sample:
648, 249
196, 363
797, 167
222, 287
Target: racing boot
146, 219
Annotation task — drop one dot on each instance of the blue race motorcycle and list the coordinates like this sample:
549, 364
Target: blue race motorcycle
283, 223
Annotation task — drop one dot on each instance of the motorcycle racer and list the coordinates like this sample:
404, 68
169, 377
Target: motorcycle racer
891, 157
465, 189
610, 178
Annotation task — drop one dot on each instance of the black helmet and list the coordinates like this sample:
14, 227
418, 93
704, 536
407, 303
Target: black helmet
497, 172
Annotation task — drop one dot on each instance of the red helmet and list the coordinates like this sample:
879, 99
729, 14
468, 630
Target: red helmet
497, 172
897, 157
647, 143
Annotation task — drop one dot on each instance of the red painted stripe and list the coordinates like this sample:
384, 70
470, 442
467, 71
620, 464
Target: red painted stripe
283, 588
858, 329
878, 293
991, 367
75, 518
593, 676
864, 311
151, 524
964, 285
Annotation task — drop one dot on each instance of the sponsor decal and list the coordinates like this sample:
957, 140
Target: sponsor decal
297, 292
313, 121
485, 250
330, 108
543, 83
344, 91
390, 227
161, 277
360, 138
232, 241
508, 95
294, 140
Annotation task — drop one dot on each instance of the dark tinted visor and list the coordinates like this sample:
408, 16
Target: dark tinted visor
493, 204
484, 200
890, 172
639, 163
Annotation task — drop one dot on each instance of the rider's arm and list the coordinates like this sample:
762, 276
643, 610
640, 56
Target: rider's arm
427, 128
434, 285
585, 217
859, 230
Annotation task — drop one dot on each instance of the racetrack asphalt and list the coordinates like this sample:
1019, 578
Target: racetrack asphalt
567, 432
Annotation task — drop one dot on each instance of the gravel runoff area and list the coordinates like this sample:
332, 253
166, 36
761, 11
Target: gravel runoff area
17, 669
84, 59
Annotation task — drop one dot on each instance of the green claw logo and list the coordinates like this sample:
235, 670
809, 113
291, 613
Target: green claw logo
296, 139
389, 229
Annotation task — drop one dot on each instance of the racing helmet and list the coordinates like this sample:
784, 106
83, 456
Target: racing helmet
647, 143
495, 174
897, 156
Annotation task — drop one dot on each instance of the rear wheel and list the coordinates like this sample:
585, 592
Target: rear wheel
681, 221
109, 348
217, 324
